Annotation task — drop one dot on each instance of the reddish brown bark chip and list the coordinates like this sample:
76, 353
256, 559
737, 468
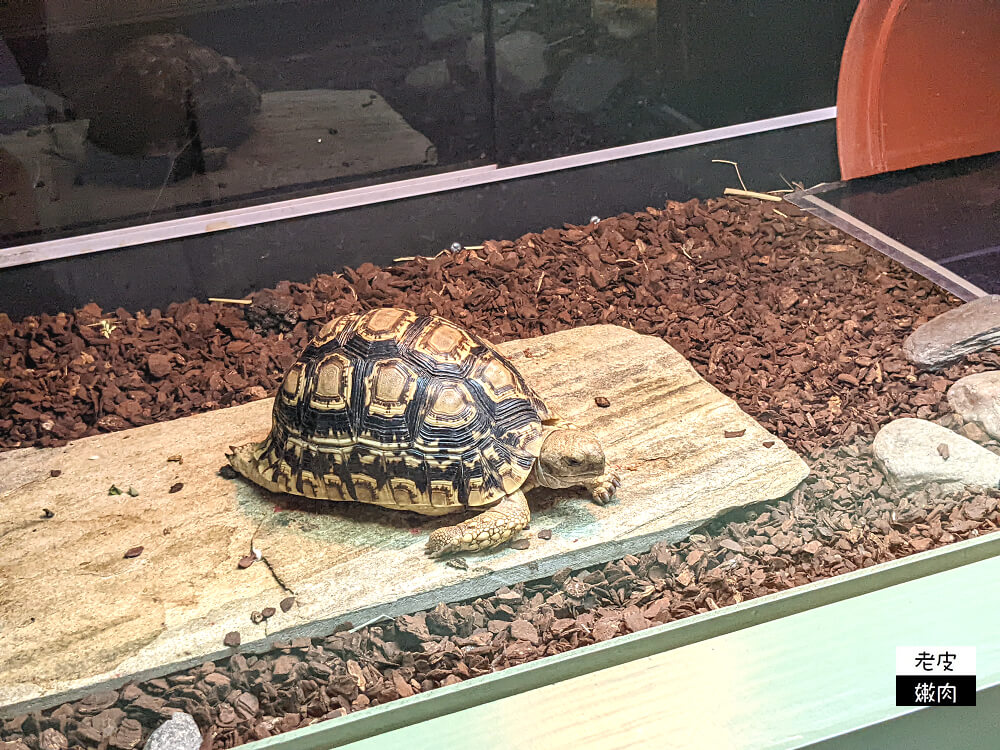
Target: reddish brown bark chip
602, 401
246, 561
232, 639
921, 544
176, 487
768, 443
55, 472
524, 630
545, 534
735, 433
159, 365
944, 451
133, 552
268, 612
287, 603
520, 544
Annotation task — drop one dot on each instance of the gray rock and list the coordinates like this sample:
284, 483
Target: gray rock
475, 54
908, 450
23, 106
952, 335
520, 60
179, 733
20, 108
452, 20
465, 17
977, 399
433, 75
623, 20
587, 82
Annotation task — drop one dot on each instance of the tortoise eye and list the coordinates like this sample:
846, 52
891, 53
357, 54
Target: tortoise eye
573, 462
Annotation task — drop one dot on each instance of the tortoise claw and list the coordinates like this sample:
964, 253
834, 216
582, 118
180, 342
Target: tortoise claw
604, 488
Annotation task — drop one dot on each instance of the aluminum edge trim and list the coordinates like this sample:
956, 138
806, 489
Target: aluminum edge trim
280, 210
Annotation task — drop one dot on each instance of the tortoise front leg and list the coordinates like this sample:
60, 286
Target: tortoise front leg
489, 529
603, 488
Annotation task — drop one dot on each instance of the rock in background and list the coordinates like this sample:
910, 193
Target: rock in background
625, 19
976, 398
520, 60
23, 106
163, 93
587, 83
465, 17
432, 75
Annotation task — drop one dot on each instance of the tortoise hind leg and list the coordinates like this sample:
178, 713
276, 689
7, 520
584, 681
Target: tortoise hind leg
489, 529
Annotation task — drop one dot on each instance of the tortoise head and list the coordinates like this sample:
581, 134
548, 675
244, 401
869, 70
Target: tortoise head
569, 457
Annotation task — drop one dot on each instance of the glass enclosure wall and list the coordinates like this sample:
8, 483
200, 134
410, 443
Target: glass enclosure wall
127, 111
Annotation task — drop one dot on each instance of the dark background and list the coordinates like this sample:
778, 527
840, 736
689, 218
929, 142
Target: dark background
683, 66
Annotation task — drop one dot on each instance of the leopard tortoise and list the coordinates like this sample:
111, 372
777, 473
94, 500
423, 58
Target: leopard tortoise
412, 412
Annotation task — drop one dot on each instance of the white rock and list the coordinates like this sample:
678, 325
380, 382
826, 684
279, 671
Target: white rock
458, 19
433, 75
178, 733
520, 60
624, 20
908, 452
976, 398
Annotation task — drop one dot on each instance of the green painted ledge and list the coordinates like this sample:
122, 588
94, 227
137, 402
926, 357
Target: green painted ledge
777, 649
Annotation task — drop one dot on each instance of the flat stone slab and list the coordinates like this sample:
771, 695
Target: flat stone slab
74, 611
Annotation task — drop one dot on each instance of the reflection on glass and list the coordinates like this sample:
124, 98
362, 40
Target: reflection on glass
576, 75
130, 111
126, 111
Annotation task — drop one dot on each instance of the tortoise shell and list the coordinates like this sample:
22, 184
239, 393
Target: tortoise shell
404, 411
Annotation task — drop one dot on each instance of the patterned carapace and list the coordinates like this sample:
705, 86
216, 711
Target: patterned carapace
404, 411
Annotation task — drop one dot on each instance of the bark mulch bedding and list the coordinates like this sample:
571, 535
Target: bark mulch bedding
798, 323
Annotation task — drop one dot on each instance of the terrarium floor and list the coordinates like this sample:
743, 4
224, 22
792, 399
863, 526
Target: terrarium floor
75, 611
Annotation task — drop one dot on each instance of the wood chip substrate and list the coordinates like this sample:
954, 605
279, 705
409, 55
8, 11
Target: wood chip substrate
799, 324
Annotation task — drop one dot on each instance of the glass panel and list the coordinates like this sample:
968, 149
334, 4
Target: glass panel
577, 75
123, 112
948, 213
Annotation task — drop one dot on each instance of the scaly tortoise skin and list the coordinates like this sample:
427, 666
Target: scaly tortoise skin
412, 412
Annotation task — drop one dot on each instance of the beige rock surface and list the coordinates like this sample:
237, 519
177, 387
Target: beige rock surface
73, 611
